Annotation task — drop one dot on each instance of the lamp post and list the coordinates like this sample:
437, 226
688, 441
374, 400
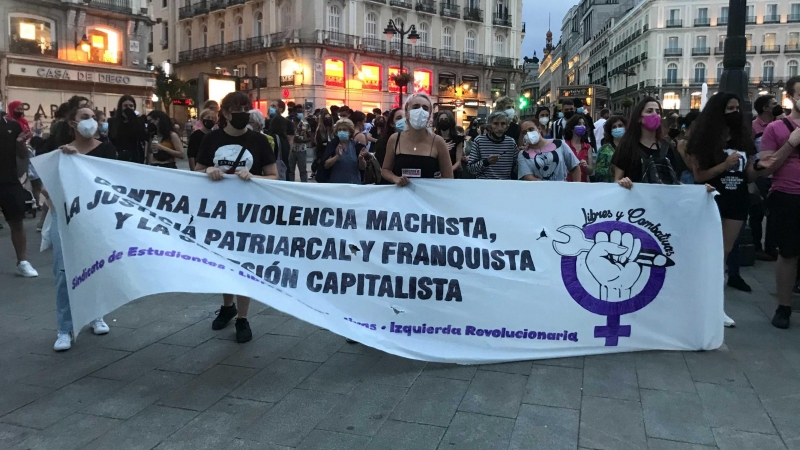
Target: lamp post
769, 85
734, 79
628, 73
392, 29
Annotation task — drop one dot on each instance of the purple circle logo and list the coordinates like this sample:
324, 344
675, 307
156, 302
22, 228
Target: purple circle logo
611, 269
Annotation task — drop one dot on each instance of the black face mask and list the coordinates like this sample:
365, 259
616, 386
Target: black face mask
443, 125
129, 113
240, 120
733, 119
674, 132
327, 122
18, 114
151, 128
208, 123
777, 110
568, 115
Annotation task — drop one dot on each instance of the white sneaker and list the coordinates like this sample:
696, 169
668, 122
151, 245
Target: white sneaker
727, 321
64, 342
25, 269
99, 326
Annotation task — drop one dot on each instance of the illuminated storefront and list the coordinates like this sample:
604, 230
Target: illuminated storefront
422, 81
334, 73
671, 101
370, 77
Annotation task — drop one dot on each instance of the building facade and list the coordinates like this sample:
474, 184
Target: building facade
334, 52
51, 50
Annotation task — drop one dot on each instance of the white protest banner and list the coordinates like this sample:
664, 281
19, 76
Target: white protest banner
459, 271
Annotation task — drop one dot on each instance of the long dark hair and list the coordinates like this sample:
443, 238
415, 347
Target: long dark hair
165, 128
708, 146
448, 117
123, 99
389, 130
574, 122
607, 137
629, 144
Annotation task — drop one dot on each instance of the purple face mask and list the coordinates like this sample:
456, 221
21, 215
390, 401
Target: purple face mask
580, 130
651, 122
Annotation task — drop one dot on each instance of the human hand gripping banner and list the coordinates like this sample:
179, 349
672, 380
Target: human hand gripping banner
461, 271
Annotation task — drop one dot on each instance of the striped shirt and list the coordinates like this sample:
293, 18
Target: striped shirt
482, 148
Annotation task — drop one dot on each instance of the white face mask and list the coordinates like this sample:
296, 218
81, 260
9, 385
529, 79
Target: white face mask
87, 127
532, 137
510, 113
418, 118
544, 120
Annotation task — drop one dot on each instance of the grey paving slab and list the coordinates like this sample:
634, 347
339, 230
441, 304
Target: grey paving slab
203, 357
734, 407
665, 371
144, 336
274, 382
11, 435
494, 394
290, 420
394, 370
554, 386
611, 378
360, 349
788, 430
340, 373
330, 440
518, 367
546, 428
75, 368
779, 394
193, 335
398, 435
23, 366
316, 348
574, 362
145, 430
612, 424
715, 367
660, 444
14, 395
217, 426
138, 395
207, 388
295, 327
143, 361
431, 401
470, 431
728, 439
676, 416
263, 351
57, 405
243, 444
364, 410
454, 371
72, 432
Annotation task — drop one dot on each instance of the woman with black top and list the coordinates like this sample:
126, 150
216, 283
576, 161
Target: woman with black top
84, 125
721, 156
127, 132
358, 118
418, 153
207, 119
395, 121
165, 145
322, 137
445, 126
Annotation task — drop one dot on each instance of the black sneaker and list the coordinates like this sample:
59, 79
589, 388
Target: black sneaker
243, 333
781, 319
737, 282
224, 315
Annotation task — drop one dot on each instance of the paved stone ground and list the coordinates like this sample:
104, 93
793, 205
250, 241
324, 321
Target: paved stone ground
163, 379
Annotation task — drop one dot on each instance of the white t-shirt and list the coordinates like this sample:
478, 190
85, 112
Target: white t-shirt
599, 132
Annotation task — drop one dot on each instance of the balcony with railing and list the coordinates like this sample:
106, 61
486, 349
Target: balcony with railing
335, 39
373, 45
473, 59
722, 21
199, 53
772, 18
185, 12
449, 10
674, 23
31, 47
719, 50
239, 46
701, 51
258, 43
791, 48
793, 18
236, 2
473, 14
424, 52
404, 4
506, 63
750, 49
673, 52
672, 81
426, 6
394, 48
453, 56
772, 48
122, 6
216, 5
750, 20
501, 20
382, 2
215, 51
702, 22
200, 8
697, 81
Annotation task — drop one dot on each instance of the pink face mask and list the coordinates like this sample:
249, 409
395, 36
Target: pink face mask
651, 122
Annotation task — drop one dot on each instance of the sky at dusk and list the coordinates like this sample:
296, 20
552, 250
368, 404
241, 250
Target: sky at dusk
534, 14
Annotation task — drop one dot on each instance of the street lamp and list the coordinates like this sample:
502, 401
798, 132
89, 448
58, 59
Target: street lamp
392, 29
734, 78
628, 73
769, 85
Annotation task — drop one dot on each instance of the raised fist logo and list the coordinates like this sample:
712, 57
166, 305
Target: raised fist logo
614, 260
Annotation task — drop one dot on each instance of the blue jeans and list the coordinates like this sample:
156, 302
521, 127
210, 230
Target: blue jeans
63, 312
687, 177
733, 256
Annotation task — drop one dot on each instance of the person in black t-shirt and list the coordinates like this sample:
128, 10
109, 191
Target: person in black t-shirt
207, 120
235, 149
445, 125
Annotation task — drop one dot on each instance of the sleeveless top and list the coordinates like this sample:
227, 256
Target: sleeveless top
415, 166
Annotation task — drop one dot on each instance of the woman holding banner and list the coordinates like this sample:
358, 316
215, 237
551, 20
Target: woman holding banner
84, 125
166, 145
722, 156
207, 120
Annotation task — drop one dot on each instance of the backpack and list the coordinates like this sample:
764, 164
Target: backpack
657, 169
372, 173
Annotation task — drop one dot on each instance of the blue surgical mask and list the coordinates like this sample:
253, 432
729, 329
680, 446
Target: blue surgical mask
343, 135
560, 115
104, 127
272, 112
400, 125
299, 116
617, 132
580, 110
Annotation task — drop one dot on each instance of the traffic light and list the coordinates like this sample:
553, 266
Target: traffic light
523, 102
